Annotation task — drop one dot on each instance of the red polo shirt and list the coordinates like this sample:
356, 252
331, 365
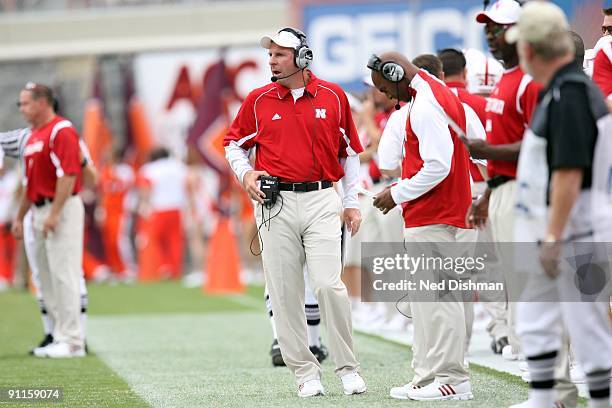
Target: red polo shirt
52, 151
300, 140
478, 104
508, 113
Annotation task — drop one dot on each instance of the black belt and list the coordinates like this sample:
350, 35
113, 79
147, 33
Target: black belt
43, 201
305, 187
497, 181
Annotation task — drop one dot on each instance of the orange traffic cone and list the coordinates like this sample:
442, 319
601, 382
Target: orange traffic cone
223, 261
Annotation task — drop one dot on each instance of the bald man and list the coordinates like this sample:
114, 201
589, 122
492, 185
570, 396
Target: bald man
435, 166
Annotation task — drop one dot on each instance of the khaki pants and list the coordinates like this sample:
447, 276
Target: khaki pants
439, 327
501, 217
59, 257
307, 230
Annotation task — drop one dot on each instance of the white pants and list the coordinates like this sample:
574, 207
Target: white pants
540, 324
59, 257
501, 218
28, 243
305, 228
439, 327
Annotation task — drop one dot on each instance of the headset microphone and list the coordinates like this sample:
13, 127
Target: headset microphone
275, 78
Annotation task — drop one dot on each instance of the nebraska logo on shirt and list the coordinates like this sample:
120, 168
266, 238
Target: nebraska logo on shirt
35, 147
320, 113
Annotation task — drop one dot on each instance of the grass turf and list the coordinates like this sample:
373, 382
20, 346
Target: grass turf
163, 345
86, 382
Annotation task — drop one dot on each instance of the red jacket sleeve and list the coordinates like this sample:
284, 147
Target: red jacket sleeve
529, 100
602, 72
244, 126
65, 152
350, 144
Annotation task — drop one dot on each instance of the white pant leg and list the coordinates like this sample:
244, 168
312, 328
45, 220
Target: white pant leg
321, 216
60, 260
439, 326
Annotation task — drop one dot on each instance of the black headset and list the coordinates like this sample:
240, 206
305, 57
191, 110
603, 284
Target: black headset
389, 70
302, 55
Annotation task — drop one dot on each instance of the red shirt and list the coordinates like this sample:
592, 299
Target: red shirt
52, 151
381, 120
478, 103
602, 66
115, 182
298, 140
447, 202
508, 112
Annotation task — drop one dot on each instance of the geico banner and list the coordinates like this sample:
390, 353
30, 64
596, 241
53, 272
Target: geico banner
170, 83
343, 36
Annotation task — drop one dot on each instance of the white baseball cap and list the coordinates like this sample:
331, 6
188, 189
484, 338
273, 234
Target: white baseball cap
282, 38
501, 12
483, 72
539, 21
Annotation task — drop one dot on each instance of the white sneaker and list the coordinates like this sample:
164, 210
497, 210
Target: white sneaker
311, 388
526, 376
508, 354
41, 351
523, 366
60, 350
402, 392
436, 391
353, 384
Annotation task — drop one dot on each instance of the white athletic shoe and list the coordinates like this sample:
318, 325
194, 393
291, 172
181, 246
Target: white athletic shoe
353, 384
436, 391
311, 388
526, 376
402, 392
508, 354
59, 350
523, 366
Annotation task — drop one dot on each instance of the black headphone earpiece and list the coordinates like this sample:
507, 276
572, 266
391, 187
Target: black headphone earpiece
302, 55
389, 70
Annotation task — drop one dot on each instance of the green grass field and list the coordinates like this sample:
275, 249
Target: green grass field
162, 345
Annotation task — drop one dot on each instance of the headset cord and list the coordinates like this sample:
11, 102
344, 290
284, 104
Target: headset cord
397, 302
263, 222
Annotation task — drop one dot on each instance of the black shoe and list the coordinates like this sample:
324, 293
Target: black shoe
319, 352
45, 342
277, 357
498, 345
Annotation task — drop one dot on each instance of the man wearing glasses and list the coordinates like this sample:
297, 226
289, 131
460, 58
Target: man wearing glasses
508, 111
